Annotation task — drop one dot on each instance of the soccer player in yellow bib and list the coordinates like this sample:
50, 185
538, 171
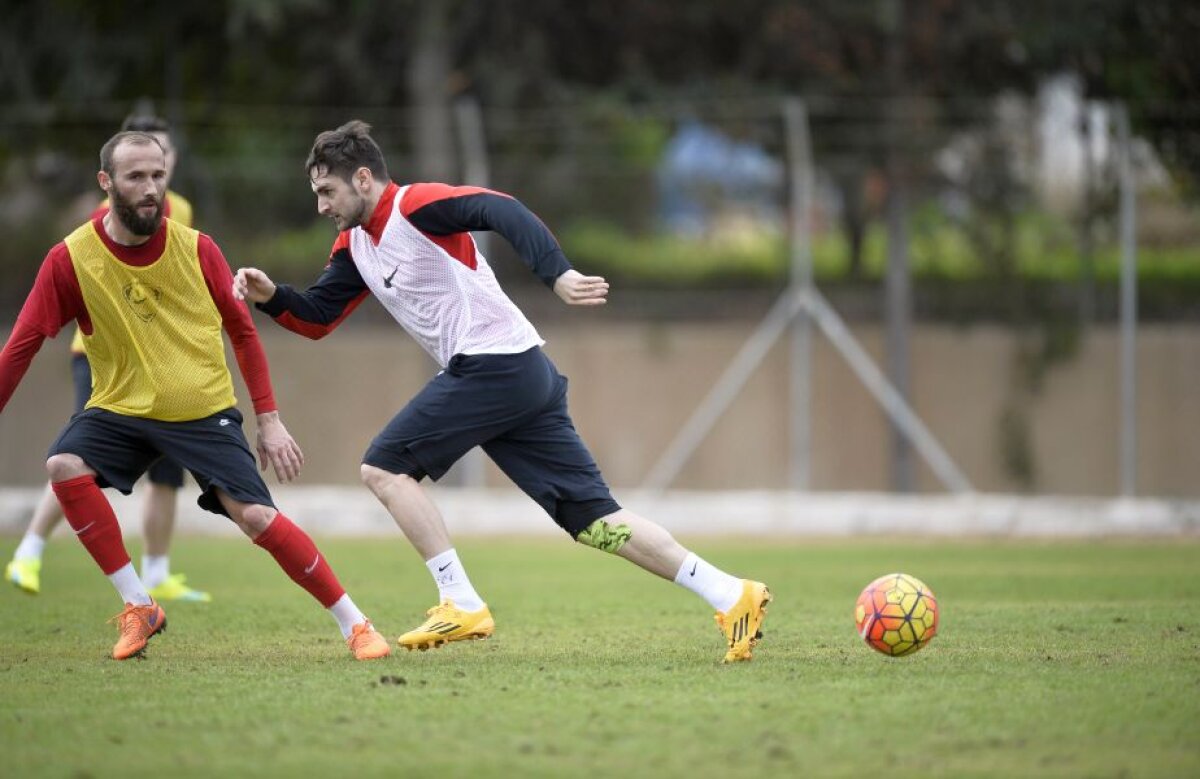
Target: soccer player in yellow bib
152, 298
164, 477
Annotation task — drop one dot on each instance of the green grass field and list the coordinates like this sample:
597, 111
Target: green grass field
1054, 659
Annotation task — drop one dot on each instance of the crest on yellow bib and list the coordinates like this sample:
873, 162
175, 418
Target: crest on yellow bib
142, 299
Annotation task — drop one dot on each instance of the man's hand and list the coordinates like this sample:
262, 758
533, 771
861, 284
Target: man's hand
579, 290
253, 285
277, 447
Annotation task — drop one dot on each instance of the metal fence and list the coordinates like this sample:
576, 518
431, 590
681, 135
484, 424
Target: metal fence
1012, 210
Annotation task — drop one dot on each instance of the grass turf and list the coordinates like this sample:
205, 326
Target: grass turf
1054, 659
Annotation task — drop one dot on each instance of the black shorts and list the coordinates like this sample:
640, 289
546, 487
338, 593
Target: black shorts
164, 471
120, 448
515, 407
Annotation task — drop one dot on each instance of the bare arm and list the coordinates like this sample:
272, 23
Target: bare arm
276, 446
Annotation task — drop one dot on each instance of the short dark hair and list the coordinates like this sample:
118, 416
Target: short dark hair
135, 137
146, 123
344, 150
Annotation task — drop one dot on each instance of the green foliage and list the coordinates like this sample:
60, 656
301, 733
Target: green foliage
941, 250
296, 255
662, 259
1063, 659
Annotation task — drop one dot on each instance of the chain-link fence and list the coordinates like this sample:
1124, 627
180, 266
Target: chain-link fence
1010, 204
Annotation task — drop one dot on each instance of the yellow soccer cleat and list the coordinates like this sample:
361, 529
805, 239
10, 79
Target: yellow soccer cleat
448, 623
138, 624
173, 588
366, 643
24, 573
741, 624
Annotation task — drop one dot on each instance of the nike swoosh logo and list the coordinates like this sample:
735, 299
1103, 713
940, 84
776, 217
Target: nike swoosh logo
444, 567
693, 573
387, 281
83, 529
312, 567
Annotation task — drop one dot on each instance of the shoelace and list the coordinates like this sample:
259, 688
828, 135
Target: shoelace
445, 607
360, 632
127, 621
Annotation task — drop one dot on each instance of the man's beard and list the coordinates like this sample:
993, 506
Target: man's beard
360, 216
127, 212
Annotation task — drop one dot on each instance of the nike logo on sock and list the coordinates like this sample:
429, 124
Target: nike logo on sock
312, 567
83, 529
693, 573
444, 567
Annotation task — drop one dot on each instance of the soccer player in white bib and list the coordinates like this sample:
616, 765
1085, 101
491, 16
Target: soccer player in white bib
411, 247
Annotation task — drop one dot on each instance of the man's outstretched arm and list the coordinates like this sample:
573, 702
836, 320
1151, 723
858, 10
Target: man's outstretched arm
442, 210
316, 311
54, 300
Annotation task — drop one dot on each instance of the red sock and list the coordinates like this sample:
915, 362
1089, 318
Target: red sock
299, 558
92, 518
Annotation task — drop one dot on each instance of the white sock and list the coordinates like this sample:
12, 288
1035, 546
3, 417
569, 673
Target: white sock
126, 580
30, 548
452, 582
346, 614
155, 569
714, 585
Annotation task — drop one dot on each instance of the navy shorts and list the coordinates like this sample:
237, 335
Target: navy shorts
515, 407
163, 471
120, 448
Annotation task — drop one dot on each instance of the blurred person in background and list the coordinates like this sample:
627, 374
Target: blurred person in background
152, 298
411, 246
164, 477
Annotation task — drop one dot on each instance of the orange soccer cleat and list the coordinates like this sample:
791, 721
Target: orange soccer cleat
138, 624
366, 643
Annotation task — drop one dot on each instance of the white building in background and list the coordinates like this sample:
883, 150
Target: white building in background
1057, 144
1070, 130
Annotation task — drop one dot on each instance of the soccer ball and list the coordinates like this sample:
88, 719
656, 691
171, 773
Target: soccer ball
896, 614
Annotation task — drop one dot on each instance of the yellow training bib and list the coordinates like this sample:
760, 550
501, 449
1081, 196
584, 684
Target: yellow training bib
178, 208
156, 349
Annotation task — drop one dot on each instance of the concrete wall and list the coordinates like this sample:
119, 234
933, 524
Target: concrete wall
634, 384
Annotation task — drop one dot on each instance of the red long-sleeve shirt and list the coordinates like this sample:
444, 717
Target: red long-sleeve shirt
56, 299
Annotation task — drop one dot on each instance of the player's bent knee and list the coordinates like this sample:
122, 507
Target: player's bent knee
254, 519
380, 481
375, 479
62, 467
605, 537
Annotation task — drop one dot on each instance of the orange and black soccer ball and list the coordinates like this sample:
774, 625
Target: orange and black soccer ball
896, 614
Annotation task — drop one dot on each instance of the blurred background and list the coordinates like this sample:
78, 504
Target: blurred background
887, 245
